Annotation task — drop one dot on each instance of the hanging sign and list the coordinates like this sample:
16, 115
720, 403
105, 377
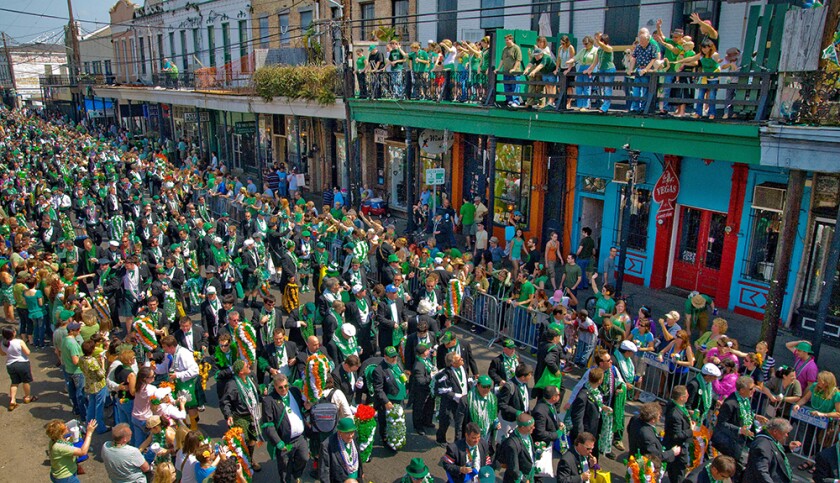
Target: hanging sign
379, 136
434, 142
665, 192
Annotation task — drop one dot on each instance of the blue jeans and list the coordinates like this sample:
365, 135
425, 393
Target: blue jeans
607, 89
96, 408
122, 411
666, 93
397, 83
510, 88
583, 263
25, 322
39, 328
75, 384
138, 432
701, 93
640, 89
582, 353
69, 479
583, 102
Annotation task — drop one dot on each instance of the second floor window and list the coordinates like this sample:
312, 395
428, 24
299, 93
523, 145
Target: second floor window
285, 36
264, 35
368, 17
211, 45
108, 70
142, 57
305, 20
492, 14
400, 20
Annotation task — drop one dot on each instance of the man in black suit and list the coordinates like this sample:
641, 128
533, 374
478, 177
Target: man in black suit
332, 321
288, 265
359, 312
422, 402
575, 463
679, 431
514, 398
449, 343
277, 357
503, 366
335, 468
719, 469
827, 467
586, 414
546, 419
299, 319
388, 388
283, 413
389, 316
211, 315
768, 461
518, 452
193, 337
346, 377
465, 457
422, 336
313, 346
431, 294
732, 434
451, 385
175, 275
700, 392
642, 434
265, 320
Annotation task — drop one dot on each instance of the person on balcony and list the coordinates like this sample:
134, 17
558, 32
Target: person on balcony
170, 71
585, 58
419, 61
710, 62
509, 67
604, 66
396, 60
375, 65
361, 61
448, 52
642, 61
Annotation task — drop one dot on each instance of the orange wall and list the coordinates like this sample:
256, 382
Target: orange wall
569, 202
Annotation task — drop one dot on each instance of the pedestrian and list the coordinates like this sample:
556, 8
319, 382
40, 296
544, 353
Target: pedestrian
123, 462
17, 366
63, 453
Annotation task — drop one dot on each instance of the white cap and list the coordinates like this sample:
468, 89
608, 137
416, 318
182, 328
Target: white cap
425, 307
248, 242
162, 392
114, 243
357, 288
348, 330
211, 289
438, 260
628, 345
430, 41
710, 369
218, 240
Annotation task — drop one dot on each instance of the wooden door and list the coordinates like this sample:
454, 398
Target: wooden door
699, 250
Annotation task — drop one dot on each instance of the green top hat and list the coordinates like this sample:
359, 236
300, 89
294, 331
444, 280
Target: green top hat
417, 468
346, 425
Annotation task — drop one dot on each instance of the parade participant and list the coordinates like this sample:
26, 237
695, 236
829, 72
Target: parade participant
346, 378
191, 337
277, 357
343, 343
549, 361
313, 346
450, 343
679, 431
332, 321
390, 320
627, 371
643, 437
734, 429
183, 371
700, 392
577, 463
416, 472
420, 389
389, 388
225, 354
266, 319
283, 422
340, 455
514, 399
768, 461
250, 267
519, 453
547, 423
503, 366
240, 405
466, 456
300, 324
588, 409
422, 335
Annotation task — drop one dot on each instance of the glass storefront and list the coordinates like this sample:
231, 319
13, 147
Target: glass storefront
818, 268
512, 191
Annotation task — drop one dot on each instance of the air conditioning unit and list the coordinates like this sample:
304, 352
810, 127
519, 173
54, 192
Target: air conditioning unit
769, 197
621, 172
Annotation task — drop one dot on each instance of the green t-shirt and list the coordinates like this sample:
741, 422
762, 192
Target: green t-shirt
572, 273
605, 60
62, 460
87, 331
671, 56
475, 62
588, 245
602, 303
708, 64
360, 63
414, 57
467, 213
526, 291
396, 55
70, 348
690, 310
821, 404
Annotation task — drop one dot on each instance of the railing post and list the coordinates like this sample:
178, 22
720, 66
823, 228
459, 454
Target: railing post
763, 97
561, 91
653, 85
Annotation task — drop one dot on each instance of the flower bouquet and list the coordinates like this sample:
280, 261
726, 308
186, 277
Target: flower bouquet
697, 447
316, 373
203, 368
145, 333
395, 427
246, 343
641, 470
366, 427
235, 442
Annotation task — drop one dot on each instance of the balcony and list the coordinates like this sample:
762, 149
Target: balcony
809, 98
742, 96
55, 80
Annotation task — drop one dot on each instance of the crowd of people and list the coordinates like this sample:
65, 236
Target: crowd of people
114, 262
458, 71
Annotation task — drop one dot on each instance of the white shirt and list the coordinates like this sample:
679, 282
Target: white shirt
188, 340
188, 472
394, 314
295, 420
184, 365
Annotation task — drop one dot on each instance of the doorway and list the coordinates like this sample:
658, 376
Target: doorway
592, 215
699, 250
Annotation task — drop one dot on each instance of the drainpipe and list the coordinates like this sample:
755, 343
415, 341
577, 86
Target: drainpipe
409, 175
491, 158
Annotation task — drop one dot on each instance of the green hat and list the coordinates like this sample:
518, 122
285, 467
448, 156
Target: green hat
145, 203
455, 253
3, 263
556, 327
393, 258
310, 307
320, 245
447, 337
155, 197
486, 474
66, 314
509, 344
357, 260
484, 380
174, 246
306, 233
300, 202
208, 226
390, 351
290, 243
349, 246
346, 425
160, 270
225, 214
420, 347
804, 347
238, 366
370, 49
417, 468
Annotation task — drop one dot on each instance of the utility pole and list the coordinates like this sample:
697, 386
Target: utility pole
9, 61
784, 252
633, 158
349, 90
74, 42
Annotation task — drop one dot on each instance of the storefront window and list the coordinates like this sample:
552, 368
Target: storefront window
639, 217
341, 162
396, 155
513, 180
764, 237
818, 267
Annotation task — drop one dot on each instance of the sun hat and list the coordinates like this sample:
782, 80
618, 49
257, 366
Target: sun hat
710, 369
698, 301
417, 468
804, 347
348, 330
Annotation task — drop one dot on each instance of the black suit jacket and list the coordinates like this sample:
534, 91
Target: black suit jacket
510, 402
411, 343
456, 457
269, 353
384, 384
725, 437
212, 322
643, 440
766, 464
677, 430
549, 357
386, 322
518, 461
545, 424
330, 467
586, 415
341, 380
826, 470
497, 370
448, 386
277, 428
569, 466
303, 354
199, 338
466, 354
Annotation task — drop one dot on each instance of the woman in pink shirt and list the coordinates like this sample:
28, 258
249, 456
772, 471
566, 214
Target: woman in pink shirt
144, 391
722, 351
803, 362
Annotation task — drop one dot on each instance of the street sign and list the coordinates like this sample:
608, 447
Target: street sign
245, 127
435, 176
191, 117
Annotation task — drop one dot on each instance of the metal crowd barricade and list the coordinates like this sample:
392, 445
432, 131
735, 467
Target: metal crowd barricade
659, 378
522, 324
815, 433
482, 311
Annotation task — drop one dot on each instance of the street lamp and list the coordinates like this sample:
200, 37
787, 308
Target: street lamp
633, 158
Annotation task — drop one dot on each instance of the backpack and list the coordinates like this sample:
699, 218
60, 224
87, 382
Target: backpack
323, 414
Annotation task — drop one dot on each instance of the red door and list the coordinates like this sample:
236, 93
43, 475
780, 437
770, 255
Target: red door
699, 250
